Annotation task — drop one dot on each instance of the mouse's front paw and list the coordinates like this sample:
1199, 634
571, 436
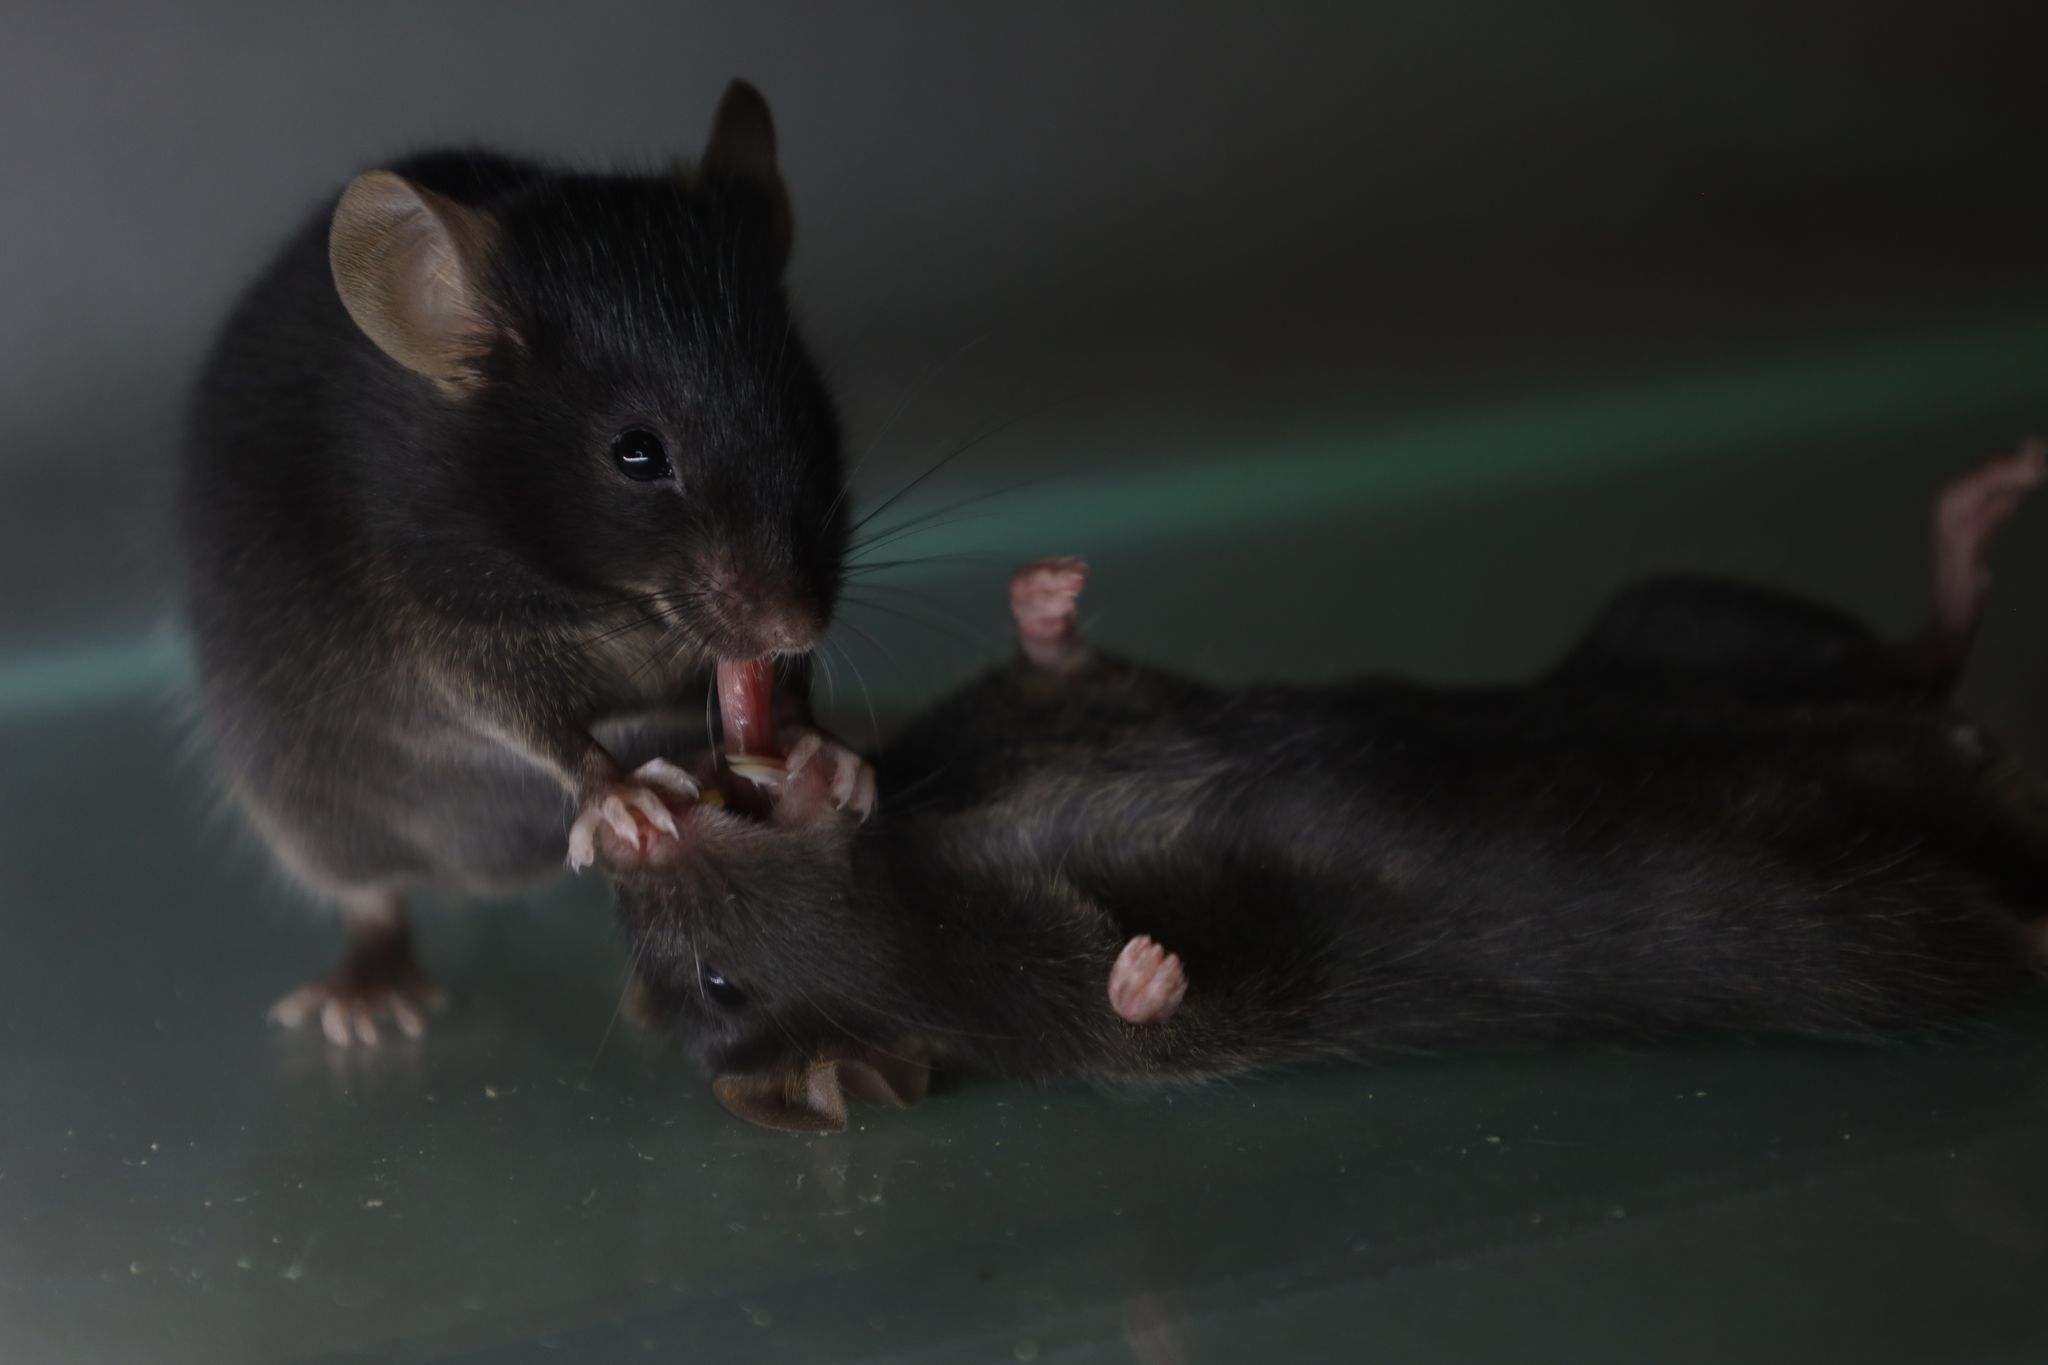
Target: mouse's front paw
632, 809
818, 769
1147, 983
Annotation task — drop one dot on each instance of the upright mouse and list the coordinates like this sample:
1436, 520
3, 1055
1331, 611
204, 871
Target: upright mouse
494, 453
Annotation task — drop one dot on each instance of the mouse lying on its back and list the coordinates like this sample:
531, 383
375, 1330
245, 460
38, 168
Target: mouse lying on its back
1726, 810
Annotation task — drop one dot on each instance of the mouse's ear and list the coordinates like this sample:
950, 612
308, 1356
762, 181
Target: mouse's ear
742, 148
813, 1099
900, 1076
409, 266
807, 1101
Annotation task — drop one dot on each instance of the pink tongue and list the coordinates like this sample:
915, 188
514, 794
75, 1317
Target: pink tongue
746, 704
746, 699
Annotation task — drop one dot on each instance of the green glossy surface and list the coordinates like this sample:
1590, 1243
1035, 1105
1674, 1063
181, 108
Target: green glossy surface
536, 1181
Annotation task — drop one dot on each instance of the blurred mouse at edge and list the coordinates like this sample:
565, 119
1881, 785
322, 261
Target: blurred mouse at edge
493, 454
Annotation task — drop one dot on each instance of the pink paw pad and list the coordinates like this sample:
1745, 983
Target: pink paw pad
1147, 983
1043, 603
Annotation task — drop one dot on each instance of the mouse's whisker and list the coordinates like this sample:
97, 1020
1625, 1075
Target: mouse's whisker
909, 1022
774, 1016
632, 975
587, 644
913, 531
629, 600
887, 653
863, 570
874, 724
660, 649
675, 638
949, 626
911, 394
974, 442
696, 965
881, 536
903, 801
831, 679
939, 608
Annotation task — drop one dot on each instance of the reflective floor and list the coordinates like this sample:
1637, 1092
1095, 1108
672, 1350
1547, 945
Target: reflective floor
1364, 337
537, 1181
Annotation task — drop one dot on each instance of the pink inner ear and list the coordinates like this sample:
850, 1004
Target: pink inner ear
789, 1103
866, 1084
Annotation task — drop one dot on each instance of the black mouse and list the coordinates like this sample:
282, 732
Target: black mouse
1725, 810
494, 453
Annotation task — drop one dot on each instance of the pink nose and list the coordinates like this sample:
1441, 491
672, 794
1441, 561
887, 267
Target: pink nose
788, 631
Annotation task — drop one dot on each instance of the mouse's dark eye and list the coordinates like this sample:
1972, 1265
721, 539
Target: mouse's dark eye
723, 993
640, 455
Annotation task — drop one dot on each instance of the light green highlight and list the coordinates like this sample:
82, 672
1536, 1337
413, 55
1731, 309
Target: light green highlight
1731, 413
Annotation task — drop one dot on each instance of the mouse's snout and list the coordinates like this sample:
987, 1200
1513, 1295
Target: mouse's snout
765, 625
788, 630
748, 616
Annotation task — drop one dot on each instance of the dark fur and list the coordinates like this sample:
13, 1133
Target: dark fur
409, 609
1725, 811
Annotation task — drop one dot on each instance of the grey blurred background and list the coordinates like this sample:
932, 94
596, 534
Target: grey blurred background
1700, 241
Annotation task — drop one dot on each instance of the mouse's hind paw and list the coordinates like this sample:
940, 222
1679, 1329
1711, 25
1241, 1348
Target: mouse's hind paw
1966, 517
377, 978
1043, 602
1147, 983
349, 1015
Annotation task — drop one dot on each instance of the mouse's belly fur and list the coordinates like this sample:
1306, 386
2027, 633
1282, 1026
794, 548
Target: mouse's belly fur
388, 797
1363, 871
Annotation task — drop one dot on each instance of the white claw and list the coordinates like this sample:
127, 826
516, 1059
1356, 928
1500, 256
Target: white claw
615, 813
660, 773
346, 1020
853, 782
295, 1008
847, 780
803, 751
409, 1021
583, 841
334, 1023
615, 810
651, 806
